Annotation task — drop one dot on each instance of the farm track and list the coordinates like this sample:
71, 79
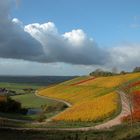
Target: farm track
30, 121
113, 122
58, 100
15, 120
124, 112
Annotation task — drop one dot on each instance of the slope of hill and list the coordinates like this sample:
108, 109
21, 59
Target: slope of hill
133, 94
92, 100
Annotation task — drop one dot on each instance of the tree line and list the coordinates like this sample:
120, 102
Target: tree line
101, 72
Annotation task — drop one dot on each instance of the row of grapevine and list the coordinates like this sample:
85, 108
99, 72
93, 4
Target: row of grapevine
134, 89
94, 110
92, 100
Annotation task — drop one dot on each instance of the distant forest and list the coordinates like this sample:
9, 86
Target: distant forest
37, 80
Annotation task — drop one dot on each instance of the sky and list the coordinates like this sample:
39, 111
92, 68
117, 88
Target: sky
68, 37
107, 21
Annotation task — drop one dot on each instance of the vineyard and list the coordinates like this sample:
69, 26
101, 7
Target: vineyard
95, 110
92, 99
134, 91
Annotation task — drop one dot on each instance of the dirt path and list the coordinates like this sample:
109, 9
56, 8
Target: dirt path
58, 100
15, 120
30, 121
124, 112
113, 122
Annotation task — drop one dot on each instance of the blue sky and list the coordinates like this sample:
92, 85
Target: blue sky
68, 37
107, 21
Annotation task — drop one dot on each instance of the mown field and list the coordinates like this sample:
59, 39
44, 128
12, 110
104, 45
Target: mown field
32, 101
28, 100
18, 87
92, 101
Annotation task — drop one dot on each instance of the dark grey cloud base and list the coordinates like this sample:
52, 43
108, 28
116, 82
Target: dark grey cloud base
14, 42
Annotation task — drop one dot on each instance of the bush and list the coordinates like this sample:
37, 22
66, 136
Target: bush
56, 107
99, 72
11, 106
41, 117
136, 69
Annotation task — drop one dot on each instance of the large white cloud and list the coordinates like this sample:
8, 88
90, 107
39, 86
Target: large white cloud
77, 48
76, 37
71, 47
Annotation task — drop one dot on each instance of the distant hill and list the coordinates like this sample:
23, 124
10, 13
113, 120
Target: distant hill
38, 80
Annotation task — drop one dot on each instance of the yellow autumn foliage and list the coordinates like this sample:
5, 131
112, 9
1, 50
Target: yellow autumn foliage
91, 100
97, 109
111, 81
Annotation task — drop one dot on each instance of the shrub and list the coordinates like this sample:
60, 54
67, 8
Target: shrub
99, 72
11, 106
136, 69
41, 117
56, 107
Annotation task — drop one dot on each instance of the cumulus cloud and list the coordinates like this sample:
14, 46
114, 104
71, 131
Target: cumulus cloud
71, 47
17, 21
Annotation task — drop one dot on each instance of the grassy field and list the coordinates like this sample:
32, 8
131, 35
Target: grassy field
89, 97
122, 132
28, 100
93, 101
32, 101
18, 87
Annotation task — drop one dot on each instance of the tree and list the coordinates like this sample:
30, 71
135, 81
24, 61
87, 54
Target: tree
136, 69
123, 72
11, 106
41, 117
100, 72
